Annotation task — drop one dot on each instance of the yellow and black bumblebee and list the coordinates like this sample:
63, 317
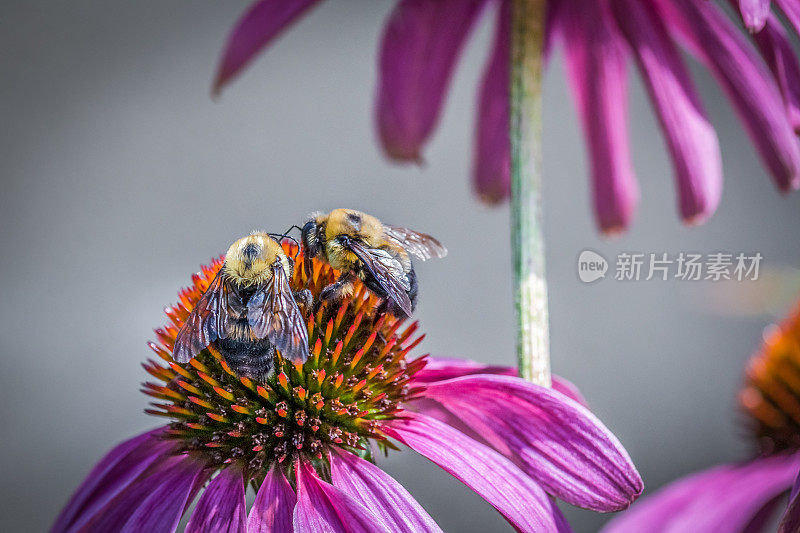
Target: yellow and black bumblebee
249, 310
359, 245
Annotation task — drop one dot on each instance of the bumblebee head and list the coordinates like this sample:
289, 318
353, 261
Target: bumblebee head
249, 261
312, 234
349, 223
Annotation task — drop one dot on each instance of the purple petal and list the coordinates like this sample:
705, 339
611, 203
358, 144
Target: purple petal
492, 166
598, 78
754, 13
154, 503
691, 139
113, 474
323, 507
716, 41
791, 8
262, 22
516, 496
790, 523
275, 501
222, 507
441, 368
421, 43
559, 443
724, 498
777, 51
379, 493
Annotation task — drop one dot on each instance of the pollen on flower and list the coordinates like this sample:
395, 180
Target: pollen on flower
771, 394
355, 378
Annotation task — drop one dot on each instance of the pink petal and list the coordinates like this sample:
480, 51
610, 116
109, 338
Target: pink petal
777, 51
379, 493
324, 508
441, 368
754, 13
154, 503
597, 76
516, 496
275, 501
791, 8
113, 474
691, 139
421, 43
492, 165
560, 444
716, 41
790, 523
724, 498
262, 22
222, 507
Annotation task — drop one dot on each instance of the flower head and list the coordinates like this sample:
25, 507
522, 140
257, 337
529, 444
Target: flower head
423, 39
742, 496
306, 437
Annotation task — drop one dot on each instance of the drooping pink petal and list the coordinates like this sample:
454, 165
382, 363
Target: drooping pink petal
222, 507
515, 495
559, 443
724, 498
113, 474
713, 38
441, 368
322, 507
690, 137
491, 172
754, 13
154, 503
790, 523
777, 51
421, 43
275, 501
262, 22
595, 64
380, 493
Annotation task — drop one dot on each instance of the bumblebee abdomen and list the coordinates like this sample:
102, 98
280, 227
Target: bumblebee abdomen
251, 358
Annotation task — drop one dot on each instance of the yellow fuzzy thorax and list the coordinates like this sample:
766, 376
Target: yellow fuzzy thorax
355, 224
249, 260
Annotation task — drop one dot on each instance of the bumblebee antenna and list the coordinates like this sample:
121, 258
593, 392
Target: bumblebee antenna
279, 236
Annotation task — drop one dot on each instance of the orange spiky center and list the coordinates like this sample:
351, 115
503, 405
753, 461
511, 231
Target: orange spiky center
771, 394
356, 377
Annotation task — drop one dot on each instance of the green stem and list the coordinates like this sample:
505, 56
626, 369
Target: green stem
527, 237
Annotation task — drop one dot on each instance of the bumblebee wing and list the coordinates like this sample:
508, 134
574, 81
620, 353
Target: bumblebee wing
420, 244
387, 271
272, 312
207, 322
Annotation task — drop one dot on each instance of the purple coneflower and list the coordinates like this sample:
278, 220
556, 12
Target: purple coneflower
743, 496
423, 40
306, 439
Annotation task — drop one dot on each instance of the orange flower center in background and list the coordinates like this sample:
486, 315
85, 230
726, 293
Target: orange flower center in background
771, 394
356, 376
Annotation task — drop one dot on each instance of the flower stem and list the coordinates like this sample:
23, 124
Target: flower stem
527, 236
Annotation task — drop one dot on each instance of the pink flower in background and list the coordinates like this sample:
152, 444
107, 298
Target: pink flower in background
305, 439
423, 40
742, 497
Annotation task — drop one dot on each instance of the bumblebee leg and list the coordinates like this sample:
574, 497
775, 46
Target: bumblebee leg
339, 289
304, 300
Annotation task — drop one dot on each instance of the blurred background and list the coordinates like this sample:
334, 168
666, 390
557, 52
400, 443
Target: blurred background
120, 176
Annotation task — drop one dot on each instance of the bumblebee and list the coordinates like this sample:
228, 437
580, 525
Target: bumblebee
359, 245
248, 311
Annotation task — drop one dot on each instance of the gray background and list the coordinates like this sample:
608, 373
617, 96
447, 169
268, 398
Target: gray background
120, 176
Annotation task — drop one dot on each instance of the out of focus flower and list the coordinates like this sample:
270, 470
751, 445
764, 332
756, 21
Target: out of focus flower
306, 438
423, 39
744, 496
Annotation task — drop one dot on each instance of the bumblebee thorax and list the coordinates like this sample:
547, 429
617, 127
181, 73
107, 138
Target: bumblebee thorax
249, 260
